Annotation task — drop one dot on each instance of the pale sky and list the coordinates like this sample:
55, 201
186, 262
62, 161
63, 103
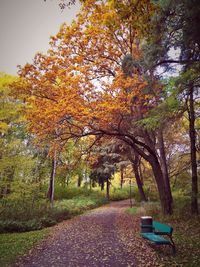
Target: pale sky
25, 28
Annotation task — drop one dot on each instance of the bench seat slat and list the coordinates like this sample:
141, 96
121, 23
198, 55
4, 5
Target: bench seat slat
155, 238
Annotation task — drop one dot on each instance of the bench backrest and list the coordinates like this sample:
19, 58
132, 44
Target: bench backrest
164, 228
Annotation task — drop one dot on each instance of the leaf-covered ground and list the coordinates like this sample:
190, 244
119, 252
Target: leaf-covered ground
104, 237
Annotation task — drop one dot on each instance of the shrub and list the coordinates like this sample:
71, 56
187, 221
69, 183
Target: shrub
19, 218
19, 226
117, 194
47, 221
68, 192
24, 203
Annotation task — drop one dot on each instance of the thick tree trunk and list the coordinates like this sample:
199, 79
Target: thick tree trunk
147, 151
163, 163
121, 177
194, 199
141, 173
164, 196
50, 193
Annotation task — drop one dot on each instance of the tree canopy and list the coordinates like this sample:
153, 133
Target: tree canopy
100, 77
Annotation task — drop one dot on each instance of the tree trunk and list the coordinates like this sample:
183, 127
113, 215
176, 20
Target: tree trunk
102, 186
135, 165
107, 189
67, 179
151, 157
141, 173
163, 163
194, 199
164, 196
122, 176
90, 184
139, 183
79, 180
50, 193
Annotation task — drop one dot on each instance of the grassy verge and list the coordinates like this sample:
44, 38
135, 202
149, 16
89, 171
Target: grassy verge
17, 244
185, 235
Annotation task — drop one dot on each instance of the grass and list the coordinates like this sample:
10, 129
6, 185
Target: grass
15, 245
132, 211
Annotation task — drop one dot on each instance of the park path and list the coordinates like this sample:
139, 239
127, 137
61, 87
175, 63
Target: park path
104, 237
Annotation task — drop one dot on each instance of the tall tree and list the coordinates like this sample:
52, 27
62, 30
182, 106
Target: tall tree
175, 28
79, 88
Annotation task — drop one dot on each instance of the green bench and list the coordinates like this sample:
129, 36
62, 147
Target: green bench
157, 236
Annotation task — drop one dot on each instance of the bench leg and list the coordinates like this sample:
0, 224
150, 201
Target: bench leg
173, 249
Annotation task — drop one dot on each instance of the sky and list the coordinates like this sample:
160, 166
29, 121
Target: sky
25, 28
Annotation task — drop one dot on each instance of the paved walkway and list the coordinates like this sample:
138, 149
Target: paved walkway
94, 239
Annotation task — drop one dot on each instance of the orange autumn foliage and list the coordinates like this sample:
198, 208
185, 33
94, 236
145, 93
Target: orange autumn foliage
79, 88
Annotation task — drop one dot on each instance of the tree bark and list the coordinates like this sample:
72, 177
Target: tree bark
122, 176
163, 163
102, 186
50, 193
79, 180
148, 153
164, 196
135, 165
141, 173
67, 179
107, 188
194, 198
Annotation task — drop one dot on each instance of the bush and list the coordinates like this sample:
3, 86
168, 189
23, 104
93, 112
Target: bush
124, 193
47, 221
26, 202
19, 226
68, 192
120, 194
19, 218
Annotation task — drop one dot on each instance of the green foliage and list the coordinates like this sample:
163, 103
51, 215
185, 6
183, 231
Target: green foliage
27, 209
80, 204
167, 108
10, 110
120, 194
17, 162
69, 192
117, 194
24, 203
17, 244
